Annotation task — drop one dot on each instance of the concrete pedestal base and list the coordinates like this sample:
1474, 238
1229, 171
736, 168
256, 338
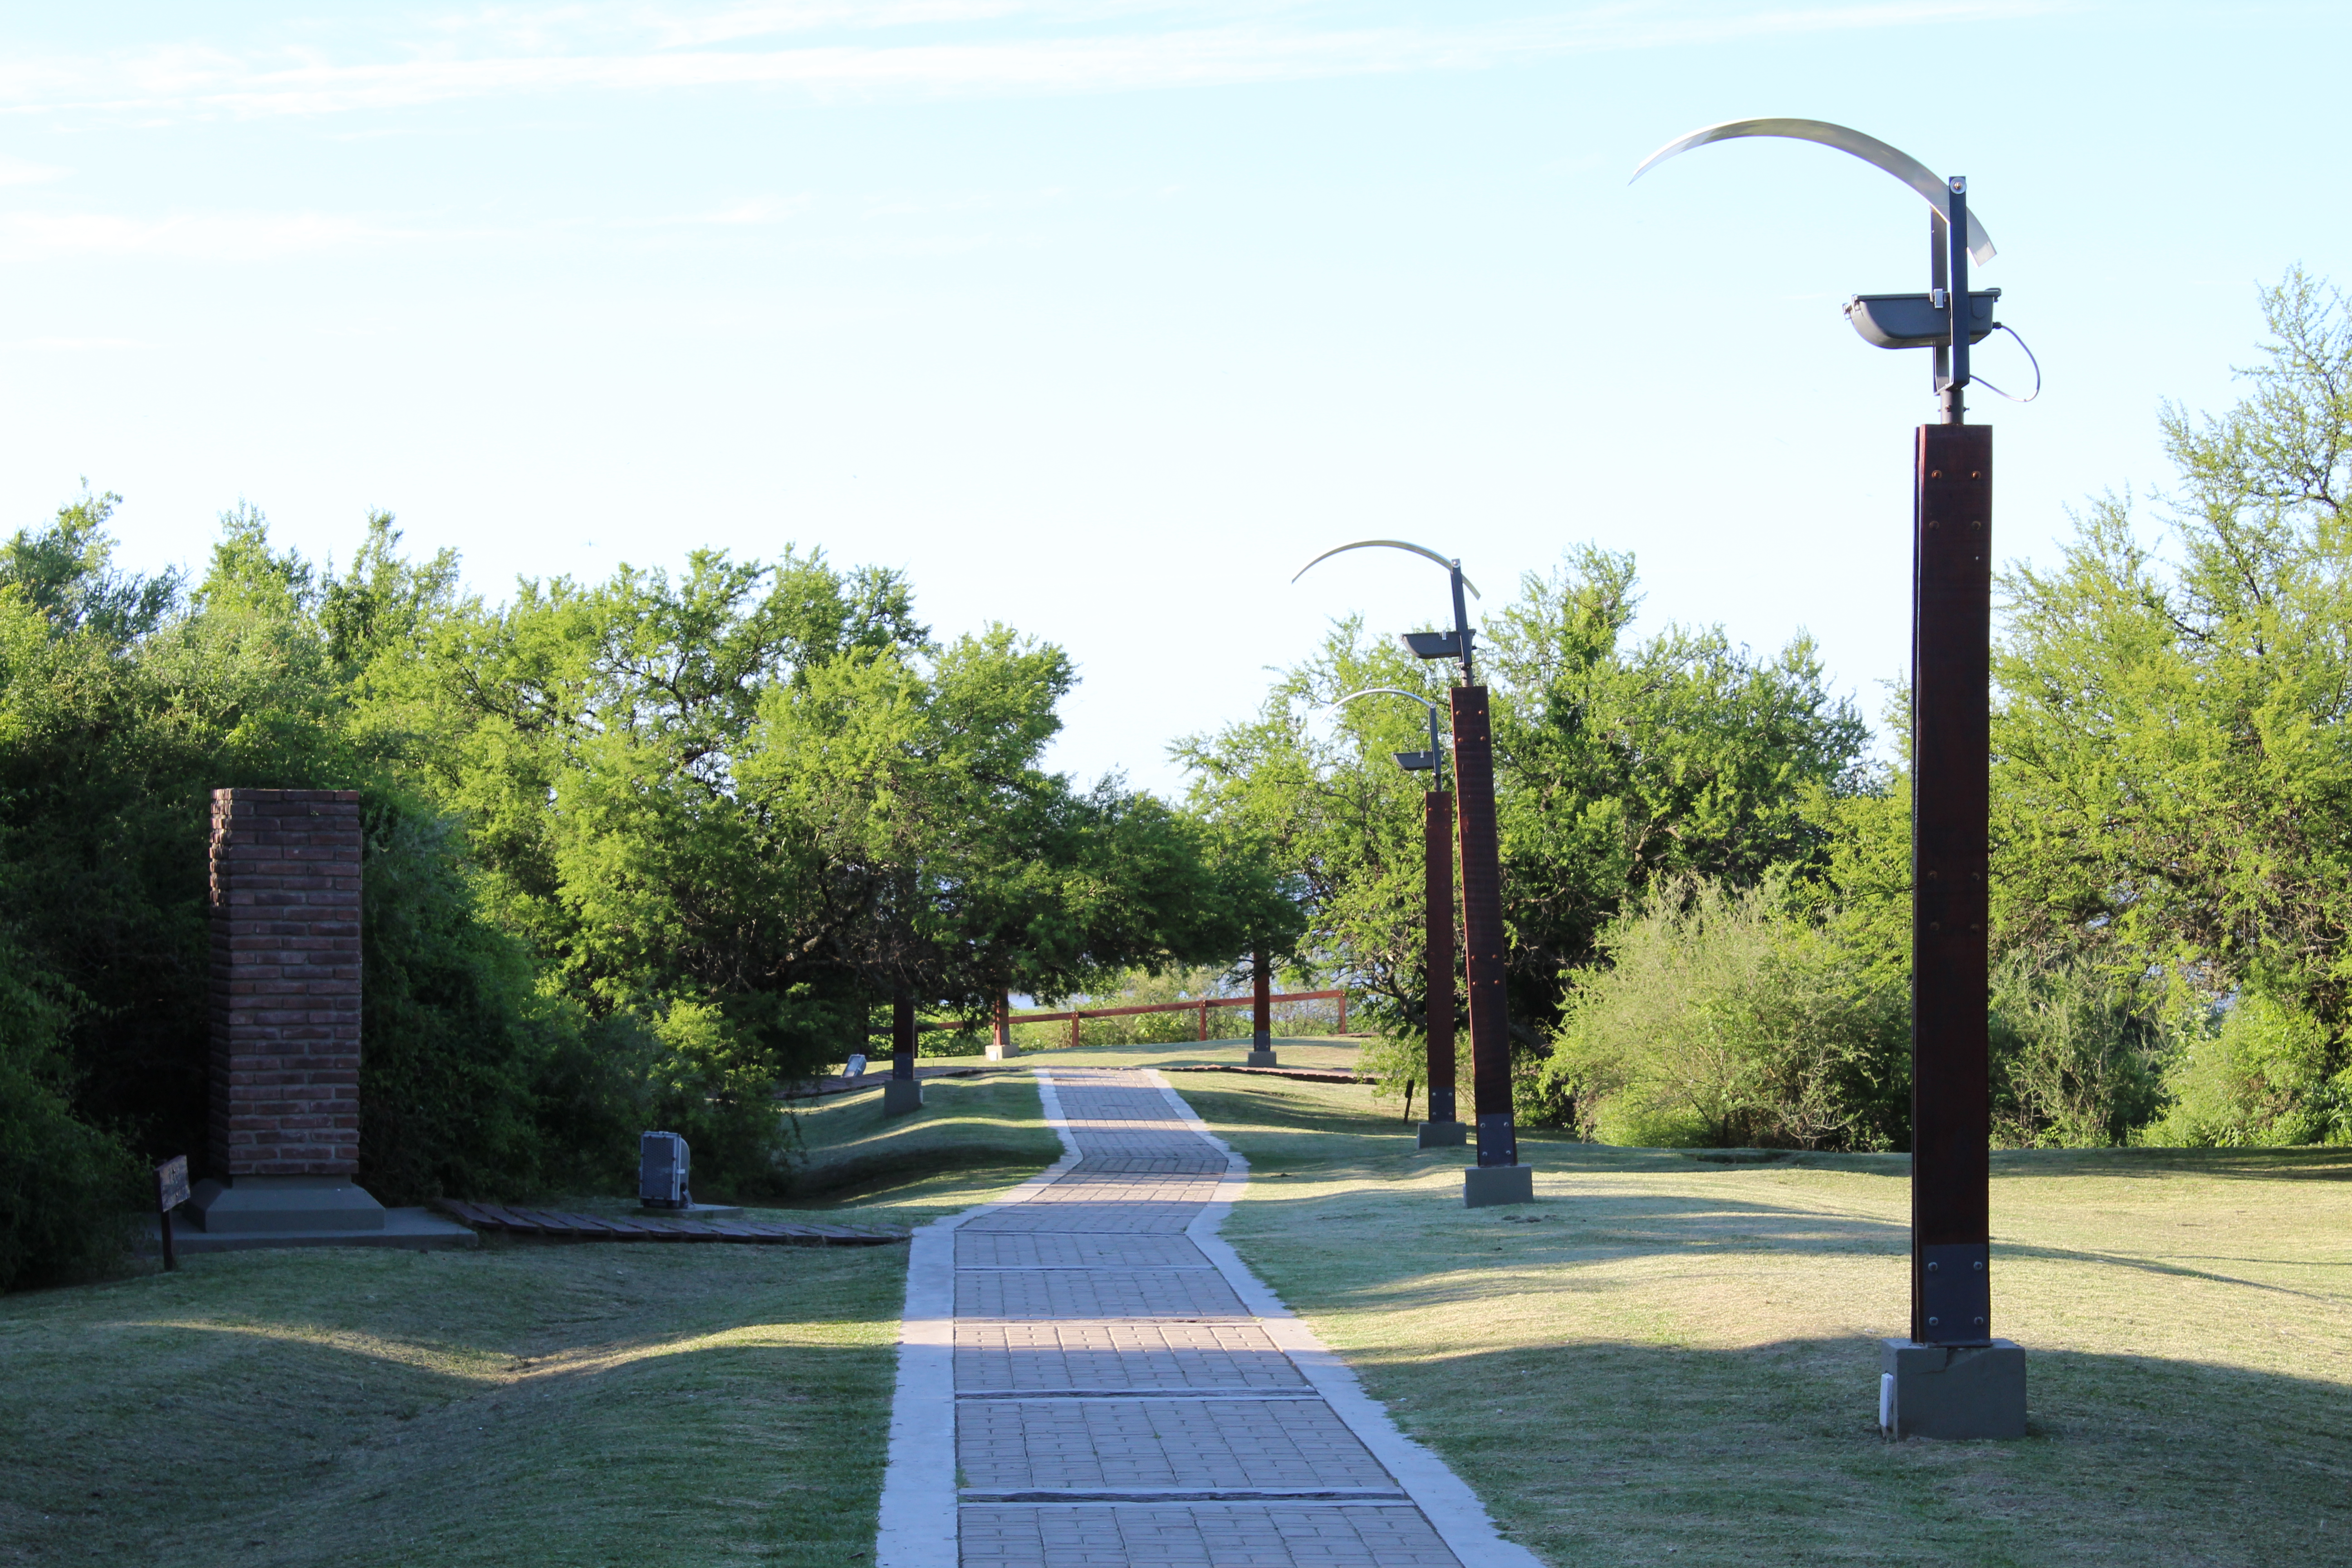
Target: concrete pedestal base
1484, 1186
415, 1229
279, 1205
1951, 1391
1260, 1059
901, 1095
1442, 1135
1003, 1053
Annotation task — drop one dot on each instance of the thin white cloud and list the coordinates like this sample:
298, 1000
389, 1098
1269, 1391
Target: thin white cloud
74, 345
200, 237
16, 172
999, 60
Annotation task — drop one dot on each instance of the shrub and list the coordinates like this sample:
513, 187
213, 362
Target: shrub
2077, 1053
67, 1190
1723, 1019
2260, 1075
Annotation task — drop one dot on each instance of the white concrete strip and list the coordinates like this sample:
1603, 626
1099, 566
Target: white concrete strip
1451, 1507
918, 1490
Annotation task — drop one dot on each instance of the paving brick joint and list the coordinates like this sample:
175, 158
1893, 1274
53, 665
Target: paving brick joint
1117, 1400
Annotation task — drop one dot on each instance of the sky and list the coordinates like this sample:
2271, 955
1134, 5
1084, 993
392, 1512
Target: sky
1101, 319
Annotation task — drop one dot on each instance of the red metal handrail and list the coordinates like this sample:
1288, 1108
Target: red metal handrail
1076, 1016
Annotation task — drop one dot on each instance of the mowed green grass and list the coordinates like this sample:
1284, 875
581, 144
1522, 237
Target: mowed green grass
1667, 1359
529, 1403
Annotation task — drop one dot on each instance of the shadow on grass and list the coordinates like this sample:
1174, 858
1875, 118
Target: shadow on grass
849, 1148
586, 1404
1609, 1452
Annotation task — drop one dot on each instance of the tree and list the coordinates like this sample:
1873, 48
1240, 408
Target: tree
1616, 765
2173, 767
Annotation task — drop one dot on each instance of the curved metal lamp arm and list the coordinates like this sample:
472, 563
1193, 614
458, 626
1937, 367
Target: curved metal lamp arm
1845, 139
1453, 567
1461, 647
1385, 691
1437, 752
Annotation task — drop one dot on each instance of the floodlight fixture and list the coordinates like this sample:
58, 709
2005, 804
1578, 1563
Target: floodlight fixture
1454, 644
1955, 236
1431, 761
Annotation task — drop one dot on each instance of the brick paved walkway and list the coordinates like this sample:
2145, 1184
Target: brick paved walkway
1090, 1378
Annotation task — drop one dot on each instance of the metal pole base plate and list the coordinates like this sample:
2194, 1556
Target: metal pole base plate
1951, 1391
1484, 1186
1443, 1135
901, 1095
1260, 1059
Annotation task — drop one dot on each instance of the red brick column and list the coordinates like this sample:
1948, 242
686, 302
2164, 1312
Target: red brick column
285, 982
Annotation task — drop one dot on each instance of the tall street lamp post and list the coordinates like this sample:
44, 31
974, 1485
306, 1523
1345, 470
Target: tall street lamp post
1444, 1127
1950, 1378
1498, 1177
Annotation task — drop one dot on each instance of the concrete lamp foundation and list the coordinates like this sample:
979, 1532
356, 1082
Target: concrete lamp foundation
1442, 1135
1005, 1053
1260, 1059
1485, 1186
1951, 1391
901, 1095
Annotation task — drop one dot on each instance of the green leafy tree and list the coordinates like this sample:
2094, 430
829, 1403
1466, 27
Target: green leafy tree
2173, 767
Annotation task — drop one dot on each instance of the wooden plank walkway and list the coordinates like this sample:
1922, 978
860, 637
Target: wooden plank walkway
569, 1226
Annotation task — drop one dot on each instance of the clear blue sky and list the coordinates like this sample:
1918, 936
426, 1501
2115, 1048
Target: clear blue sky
1102, 319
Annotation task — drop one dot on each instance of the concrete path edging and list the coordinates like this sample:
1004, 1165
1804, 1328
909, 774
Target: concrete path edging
1452, 1508
917, 1528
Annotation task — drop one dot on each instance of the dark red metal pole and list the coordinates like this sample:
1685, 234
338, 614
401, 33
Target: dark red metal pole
1951, 1294
1437, 853
1261, 1003
1481, 928
902, 1034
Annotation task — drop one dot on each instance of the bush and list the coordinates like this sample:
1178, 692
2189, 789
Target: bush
69, 1190
446, 1045
1723, 1019
2265, 1073
2077, 1053
716, 1091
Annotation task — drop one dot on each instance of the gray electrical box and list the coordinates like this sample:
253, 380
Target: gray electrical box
662, 1161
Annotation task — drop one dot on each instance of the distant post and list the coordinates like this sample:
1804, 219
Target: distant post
1444, 1127
1001, 1047
1498, 1177
1483, 958
903, 1093
1261, 1011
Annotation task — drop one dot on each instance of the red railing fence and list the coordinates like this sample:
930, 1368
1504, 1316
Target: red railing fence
1078, 1016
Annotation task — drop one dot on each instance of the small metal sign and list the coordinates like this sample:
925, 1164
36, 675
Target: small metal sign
172, 1183
171, 1191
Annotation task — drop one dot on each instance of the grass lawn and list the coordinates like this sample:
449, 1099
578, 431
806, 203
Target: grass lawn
529, 1403
1669, 1359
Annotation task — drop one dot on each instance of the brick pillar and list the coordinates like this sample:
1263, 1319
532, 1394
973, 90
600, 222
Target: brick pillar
285, 982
